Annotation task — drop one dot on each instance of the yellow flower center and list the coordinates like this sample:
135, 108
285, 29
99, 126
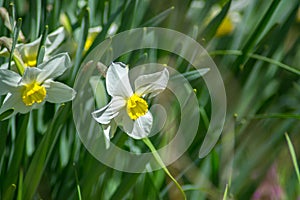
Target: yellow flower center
136, 107
30, 59
33, 93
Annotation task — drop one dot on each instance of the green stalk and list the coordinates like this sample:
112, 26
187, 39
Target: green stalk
77, 183
161, 163
293, 155
225, 193
16, 32
257, 57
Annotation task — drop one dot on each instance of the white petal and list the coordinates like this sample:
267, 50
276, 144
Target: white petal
14, 101
30, 74
55, 39
29, 48
58, 92
117, 81
8, 81
109, 131
54, 67
124, 121
142, 126
107, 113
152, 83
106, 131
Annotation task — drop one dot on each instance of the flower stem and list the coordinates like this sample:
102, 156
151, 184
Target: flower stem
161, 163
257, 57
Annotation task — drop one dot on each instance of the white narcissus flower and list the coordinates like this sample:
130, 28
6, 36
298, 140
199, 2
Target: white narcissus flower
35, 86
29, 51
127, 107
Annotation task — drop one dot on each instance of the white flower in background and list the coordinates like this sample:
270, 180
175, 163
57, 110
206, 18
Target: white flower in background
128, 108
35, 86
29, 51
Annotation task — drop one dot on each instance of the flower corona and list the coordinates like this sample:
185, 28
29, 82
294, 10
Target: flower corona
136, 107
33, 93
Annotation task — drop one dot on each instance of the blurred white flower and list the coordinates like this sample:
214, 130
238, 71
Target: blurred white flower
129, 109
29, 51
93, 32
35, 86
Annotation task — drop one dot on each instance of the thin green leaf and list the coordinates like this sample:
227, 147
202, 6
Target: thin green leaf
225, 192
10, 192
213, 26
17, 29
257, 32
84, 29
6, 114
41, 50
77, 182
101, 36
35, 18
161, 163
258, 57
43, 152
158, 18
293, 155
15, 162
20, 185
12, 14
127, 183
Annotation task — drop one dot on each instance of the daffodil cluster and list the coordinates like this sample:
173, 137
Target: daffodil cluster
33, 84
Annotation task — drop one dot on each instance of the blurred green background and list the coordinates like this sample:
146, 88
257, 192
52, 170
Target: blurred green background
256, 46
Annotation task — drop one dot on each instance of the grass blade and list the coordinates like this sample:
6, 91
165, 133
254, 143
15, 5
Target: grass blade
225, 192
161, 163
213, 26
17, 29
14, 164
293, 155
77, 182
258, 57
43, 152
83, 36
158, 18
251, 42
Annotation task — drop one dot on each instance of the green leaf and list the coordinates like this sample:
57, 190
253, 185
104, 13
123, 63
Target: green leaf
43, 152
293, 155
18, 154
213, 26
225, 192
10, 192
128, 181
101, 36
17, 29
84, 30
6, 114
258, 57
257, 32
41, 50
20, 184
158, 18
163, 166
12, 14
35, 18
77, 182
127, 16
